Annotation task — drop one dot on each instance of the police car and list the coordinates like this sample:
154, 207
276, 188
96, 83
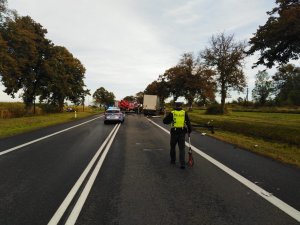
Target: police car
114, 114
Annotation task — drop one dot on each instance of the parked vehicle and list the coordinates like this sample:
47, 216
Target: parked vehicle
151, 105
70, 109
114, 114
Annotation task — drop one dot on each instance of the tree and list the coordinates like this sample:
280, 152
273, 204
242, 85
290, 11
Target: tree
28, 51
206, 86
163, 89
192, 78
110, 98
3, 10
102, 96
198, 79
152, 88
263, 87
160, 88
226, 56
8, 65
139, 97
187, 79
279, 39
64, 79
175, 77
129, 98
287, 84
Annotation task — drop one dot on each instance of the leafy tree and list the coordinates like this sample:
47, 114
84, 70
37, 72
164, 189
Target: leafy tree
64, 79
206, 86
240, 100
160, 88
189, 67
279, 39
102, 96
163, 89
8, 65
28, 50
31, 63
3, 10
187, 79
263, 87
225, 56
139, 97
110, 99
176, 80
287, 85
198, 79
129, 98
152, 88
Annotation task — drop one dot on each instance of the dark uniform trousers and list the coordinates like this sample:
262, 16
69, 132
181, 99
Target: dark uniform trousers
178, 136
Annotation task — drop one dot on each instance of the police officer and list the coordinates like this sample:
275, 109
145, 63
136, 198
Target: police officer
180, 122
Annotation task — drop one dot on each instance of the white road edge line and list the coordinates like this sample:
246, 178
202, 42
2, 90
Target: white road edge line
294, 213
77, 208
42, 138
64, 205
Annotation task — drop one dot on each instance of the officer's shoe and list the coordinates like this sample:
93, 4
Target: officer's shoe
172, 162
182, 167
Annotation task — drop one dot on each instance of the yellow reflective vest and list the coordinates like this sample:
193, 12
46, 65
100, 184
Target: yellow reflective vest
178, 118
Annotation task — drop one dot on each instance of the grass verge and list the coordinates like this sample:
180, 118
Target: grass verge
10, 127
278, 151
273, 135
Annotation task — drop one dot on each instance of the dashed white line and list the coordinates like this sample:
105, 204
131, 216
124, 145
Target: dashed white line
294, 213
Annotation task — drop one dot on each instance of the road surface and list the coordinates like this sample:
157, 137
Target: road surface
85, 172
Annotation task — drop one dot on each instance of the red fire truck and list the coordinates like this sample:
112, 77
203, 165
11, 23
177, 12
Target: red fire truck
127, 106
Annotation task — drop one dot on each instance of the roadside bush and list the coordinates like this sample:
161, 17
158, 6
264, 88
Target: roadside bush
216, 110
12, 110
49, 108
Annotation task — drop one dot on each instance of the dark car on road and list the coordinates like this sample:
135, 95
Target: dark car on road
114, 114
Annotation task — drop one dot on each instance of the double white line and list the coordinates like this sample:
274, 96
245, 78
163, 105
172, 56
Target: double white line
79, 204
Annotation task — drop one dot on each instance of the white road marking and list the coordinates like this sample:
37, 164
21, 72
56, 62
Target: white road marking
77, 209
294, 213
64, 205
42, 138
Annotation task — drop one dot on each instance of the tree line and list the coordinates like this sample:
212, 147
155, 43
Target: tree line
32, 65
283, 88
219, 67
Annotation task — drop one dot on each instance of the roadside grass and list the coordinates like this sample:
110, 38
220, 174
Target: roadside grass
286, 109
275, 135
13, 126
281, 152
13, 109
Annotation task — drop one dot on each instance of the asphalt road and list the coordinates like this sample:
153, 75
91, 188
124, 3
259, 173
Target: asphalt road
120, 174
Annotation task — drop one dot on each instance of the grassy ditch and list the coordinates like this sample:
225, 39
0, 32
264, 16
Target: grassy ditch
276, 135
13, 126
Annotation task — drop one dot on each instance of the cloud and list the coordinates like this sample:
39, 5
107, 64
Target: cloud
127, 44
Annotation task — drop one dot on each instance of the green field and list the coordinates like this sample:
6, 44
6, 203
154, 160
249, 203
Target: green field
10, 127
276, 135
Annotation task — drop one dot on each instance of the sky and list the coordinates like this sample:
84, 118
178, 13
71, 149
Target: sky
126, 44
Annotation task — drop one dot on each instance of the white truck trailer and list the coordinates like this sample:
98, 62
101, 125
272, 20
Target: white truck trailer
151, 105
